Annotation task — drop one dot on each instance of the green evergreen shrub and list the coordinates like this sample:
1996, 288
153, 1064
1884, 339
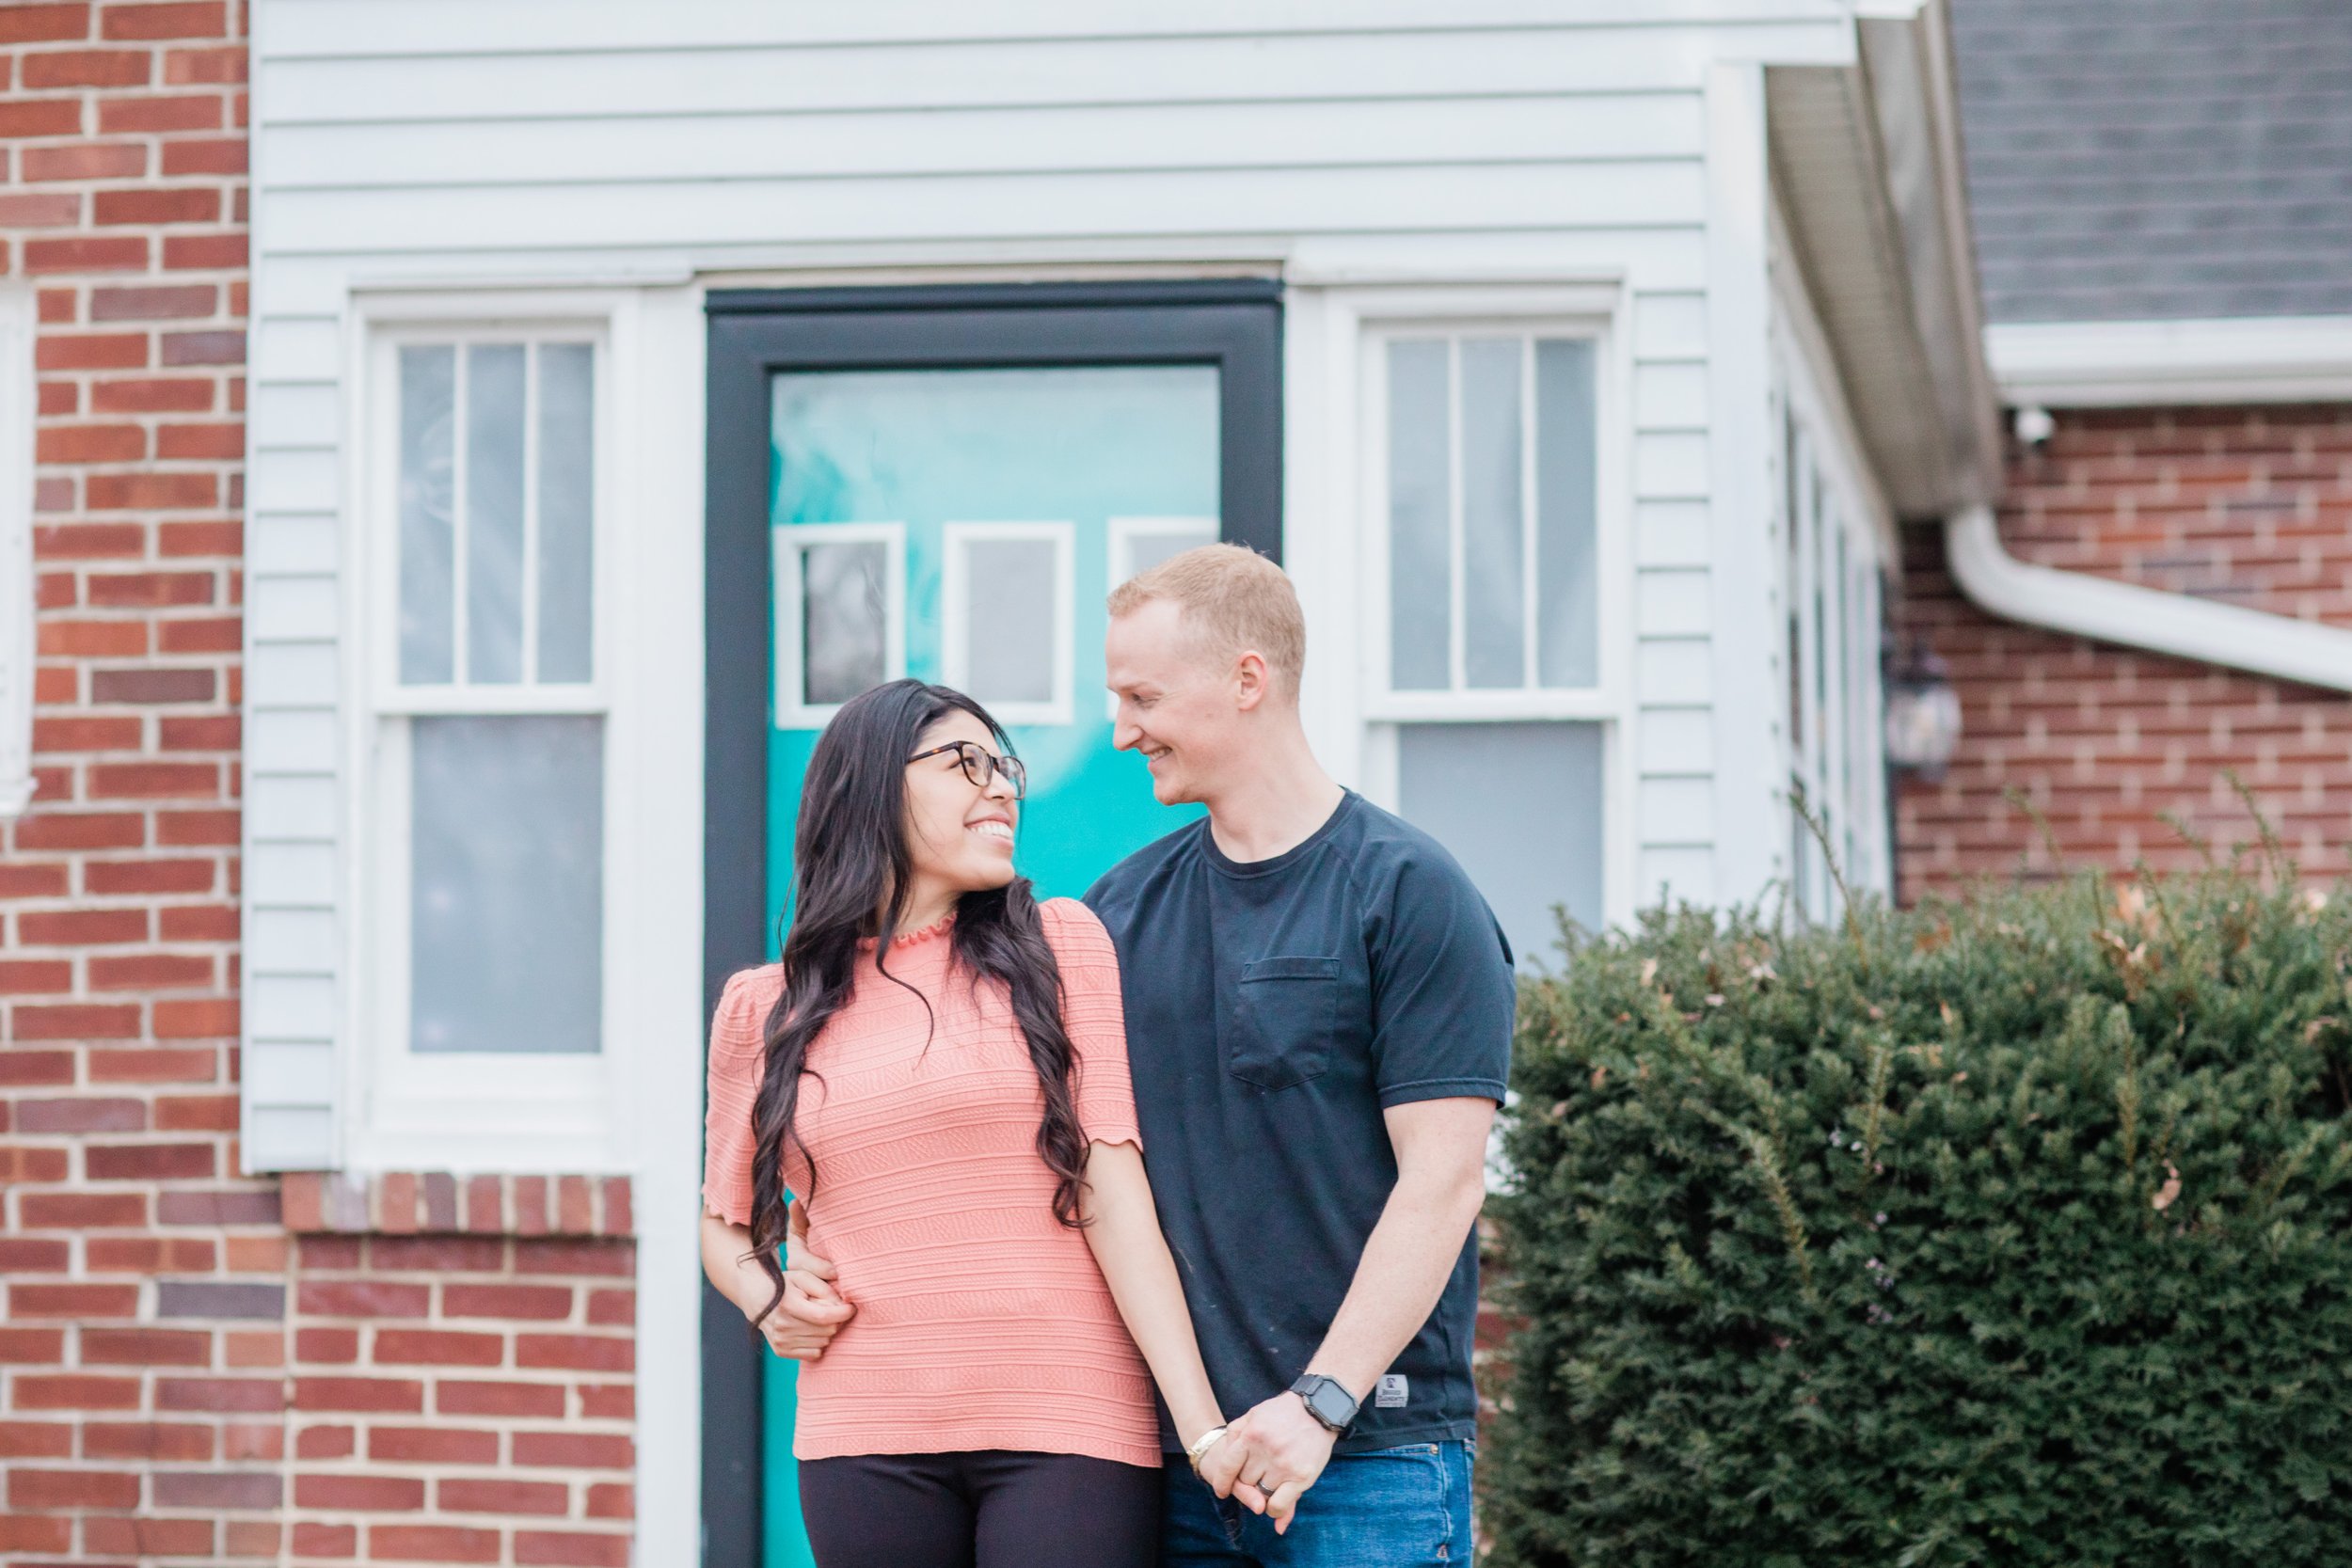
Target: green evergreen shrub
2014, 1232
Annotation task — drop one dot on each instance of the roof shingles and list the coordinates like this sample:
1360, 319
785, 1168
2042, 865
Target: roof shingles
2158, 159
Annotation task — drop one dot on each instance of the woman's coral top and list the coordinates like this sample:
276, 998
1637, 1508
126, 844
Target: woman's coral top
982, 1322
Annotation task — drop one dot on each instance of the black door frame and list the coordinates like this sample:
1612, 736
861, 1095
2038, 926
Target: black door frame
1234, 324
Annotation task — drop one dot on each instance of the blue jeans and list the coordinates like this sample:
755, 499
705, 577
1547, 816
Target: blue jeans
1393, 1507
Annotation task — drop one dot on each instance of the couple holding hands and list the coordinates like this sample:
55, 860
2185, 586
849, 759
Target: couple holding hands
996, 1170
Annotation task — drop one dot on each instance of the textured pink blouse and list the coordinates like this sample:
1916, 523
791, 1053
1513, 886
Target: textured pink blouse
981, 1323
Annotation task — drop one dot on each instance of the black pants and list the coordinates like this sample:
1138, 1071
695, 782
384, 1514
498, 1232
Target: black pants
989, 1509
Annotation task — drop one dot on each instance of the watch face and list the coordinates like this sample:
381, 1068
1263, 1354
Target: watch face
1330, 1405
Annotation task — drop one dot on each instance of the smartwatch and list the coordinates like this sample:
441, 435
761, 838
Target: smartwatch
1326, 1402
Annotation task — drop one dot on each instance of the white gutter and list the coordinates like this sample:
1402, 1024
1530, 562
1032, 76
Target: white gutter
2139, 363
2280, 646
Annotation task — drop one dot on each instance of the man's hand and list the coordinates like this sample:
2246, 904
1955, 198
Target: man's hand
1275, 1448
1249, 1496
812, 1311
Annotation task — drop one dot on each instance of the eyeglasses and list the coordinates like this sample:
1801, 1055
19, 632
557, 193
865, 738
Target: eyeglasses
981, 765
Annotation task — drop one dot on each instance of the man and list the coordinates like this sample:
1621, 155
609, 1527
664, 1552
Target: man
1319, 1011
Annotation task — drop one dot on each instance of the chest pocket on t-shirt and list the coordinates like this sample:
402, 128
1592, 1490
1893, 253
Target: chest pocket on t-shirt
1284, 1013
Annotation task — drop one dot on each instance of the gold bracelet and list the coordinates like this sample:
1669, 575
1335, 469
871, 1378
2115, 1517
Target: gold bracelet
1201, 1445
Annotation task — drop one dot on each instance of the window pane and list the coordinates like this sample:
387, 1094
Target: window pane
1146, 550
1567, 603
507, 913
566, 505
1010, 619
1419, 505
494, 512
427, 382
1494, 564
1520, 805
1843, 622
845, 620
1817, 524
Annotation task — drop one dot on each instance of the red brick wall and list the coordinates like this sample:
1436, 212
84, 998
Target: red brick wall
463, 1387
2248, 506
142, 1335
182, 1378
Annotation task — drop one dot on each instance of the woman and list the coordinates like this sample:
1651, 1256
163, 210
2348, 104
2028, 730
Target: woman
938, 1070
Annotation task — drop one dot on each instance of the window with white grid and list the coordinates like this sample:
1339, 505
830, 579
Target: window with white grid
1491, 723
489, 762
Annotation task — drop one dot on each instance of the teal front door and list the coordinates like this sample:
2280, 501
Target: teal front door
963, 527
943, 485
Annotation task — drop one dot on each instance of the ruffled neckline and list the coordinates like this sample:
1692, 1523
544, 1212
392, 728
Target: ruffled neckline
939, 927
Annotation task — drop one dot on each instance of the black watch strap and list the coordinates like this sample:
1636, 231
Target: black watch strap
1327, 1401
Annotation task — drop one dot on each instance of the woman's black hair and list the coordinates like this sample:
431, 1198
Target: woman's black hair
850, 874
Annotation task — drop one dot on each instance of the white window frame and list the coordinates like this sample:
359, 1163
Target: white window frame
1839, 756
1354, 328
956, 540
789, 541
477, 1111
17, 598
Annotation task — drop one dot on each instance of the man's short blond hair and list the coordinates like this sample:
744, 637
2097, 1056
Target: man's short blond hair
1234, 599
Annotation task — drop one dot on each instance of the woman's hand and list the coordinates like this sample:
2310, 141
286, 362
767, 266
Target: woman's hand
812, 1311
1218, 1454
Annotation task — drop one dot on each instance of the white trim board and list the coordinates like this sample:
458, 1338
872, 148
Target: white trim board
2231, 635
2130, 363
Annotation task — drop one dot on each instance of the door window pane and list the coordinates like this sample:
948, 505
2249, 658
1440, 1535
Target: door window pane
493, 514
427, 514
506, 908
845, 620
1143, 544
1420, 506
1566, 504
1520, 805
566, 506
1011, 618
1494, 567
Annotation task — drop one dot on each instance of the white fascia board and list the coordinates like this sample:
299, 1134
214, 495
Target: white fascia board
2133, 363
2235, 638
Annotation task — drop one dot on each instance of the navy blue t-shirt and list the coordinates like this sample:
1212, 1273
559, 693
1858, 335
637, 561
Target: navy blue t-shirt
1275, 1010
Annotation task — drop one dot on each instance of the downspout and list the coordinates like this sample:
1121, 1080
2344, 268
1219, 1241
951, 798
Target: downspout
2280, 646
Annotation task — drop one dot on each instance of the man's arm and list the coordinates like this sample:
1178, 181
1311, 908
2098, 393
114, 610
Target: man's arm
1440, 1184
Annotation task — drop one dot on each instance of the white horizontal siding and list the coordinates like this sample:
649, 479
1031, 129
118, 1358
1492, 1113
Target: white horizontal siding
1302, 198
1673, 606
293, 610
1436, 61
1670, 533
610, 139
342, 28
291, 546
888, 145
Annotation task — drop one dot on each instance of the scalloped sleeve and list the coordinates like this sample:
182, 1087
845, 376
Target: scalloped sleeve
736, 1063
